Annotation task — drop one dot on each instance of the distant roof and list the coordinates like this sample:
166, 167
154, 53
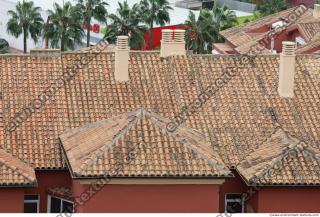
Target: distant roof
242, 38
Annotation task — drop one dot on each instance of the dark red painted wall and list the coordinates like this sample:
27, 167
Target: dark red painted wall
232, 185
289, 199
281, 37
11, 200
47, 179
151, 198
305, 2
157, 35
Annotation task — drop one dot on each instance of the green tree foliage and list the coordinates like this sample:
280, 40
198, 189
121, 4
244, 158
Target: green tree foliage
26, 20
127, 21
155, 12
92, 9
64, 26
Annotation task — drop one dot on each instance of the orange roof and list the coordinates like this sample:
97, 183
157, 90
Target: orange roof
14, 172
64, 192
282, 159
138, 144
243, 36
234, 121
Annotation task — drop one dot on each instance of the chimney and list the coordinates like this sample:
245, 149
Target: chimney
316, 11
173, 45
287, 69
121, 72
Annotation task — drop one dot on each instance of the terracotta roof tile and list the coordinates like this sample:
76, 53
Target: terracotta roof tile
61, 192
14, 172
234, 121
282, 159
139, 144
244, 36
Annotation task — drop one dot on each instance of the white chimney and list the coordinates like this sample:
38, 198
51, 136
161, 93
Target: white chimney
121, 72
316, 11
287, 69
173, 45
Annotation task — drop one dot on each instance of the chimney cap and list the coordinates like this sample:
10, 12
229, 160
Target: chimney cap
123, 37
288, 48
179, 30
288, 43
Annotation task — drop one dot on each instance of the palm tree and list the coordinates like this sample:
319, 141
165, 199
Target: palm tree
155, 12
126, 21
268, 7
4, 46
26, 19
201, 31
204, 31
225, 17
92, 9
64, 26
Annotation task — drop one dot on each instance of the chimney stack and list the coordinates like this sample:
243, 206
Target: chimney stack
173, 45
287, 69
316, 11
121, 72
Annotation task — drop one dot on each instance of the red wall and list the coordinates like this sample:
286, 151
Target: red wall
232, 185
11, 200
157, 36
305, 2
151, 198
47, 179
289, 199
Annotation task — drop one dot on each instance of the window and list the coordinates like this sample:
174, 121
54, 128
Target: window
31, 203
234, 203
300, 41
59, 205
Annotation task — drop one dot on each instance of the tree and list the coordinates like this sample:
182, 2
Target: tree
126, 21
92, 9
26, 20
268, 7
4, 46
224, 17
204, 31
64, 26
155, 12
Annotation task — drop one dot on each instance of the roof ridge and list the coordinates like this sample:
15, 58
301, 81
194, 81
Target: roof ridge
280, 157
89, 162
214, 160
185, 141
246, 25
18, 167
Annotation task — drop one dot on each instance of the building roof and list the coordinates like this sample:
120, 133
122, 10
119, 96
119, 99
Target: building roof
14, 172
314, 44
234, 121
138, 144
64, 192
282, 159
246, 35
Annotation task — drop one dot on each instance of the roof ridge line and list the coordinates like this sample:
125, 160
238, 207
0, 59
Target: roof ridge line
16, 169
109, 146
199, 150
283, 154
